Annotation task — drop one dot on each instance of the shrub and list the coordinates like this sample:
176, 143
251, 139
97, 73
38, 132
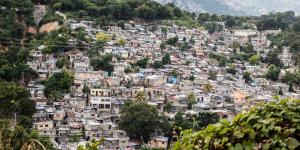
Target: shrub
275, 125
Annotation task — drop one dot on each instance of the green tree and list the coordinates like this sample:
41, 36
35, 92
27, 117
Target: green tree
121, 42
172, 41
57, 5
162, 46
204, 119
103, 63
128, 70
168, 107
247, 77
166, 59
157, 65
142, 62
93, 145
15, 99
266, 126
20, 138
181, 122
58, 83
63, 63
231, 22
139, 120
203, 17
192, 78
273, 73
254, 60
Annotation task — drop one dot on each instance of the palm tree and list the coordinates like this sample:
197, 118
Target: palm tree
33, 144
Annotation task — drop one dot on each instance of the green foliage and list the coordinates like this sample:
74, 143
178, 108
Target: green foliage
254, 60
86, 89
266, 126
213, 27
24, 121
231, 22
139, 120
58, 84
192, 78
168, 107
15, 99
51, 17
142, 63
187, 22
195, 122
172, 41
205, 119
56, 42
247, 77
63, 63
13, 67
157, 65
291, 79
272, 58
103, 63
220, 58
120, 9
166, 59
128, 70
93, 52
93, 145
15, 138
273, 73
174, 73
121, 42
181, 122
275, 21
149, 148
10, 27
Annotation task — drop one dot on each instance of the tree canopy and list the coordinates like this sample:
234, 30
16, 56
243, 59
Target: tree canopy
139, 120
58, 84
15, 99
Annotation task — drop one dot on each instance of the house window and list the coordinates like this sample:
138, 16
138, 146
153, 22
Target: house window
46, 125
107, 106
101, 106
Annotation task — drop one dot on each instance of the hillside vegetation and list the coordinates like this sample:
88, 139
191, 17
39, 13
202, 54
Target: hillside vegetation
274, 125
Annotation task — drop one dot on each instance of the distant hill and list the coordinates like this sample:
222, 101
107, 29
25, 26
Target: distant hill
237, 7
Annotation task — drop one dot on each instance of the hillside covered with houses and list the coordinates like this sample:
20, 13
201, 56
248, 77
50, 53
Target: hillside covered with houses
103, 77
